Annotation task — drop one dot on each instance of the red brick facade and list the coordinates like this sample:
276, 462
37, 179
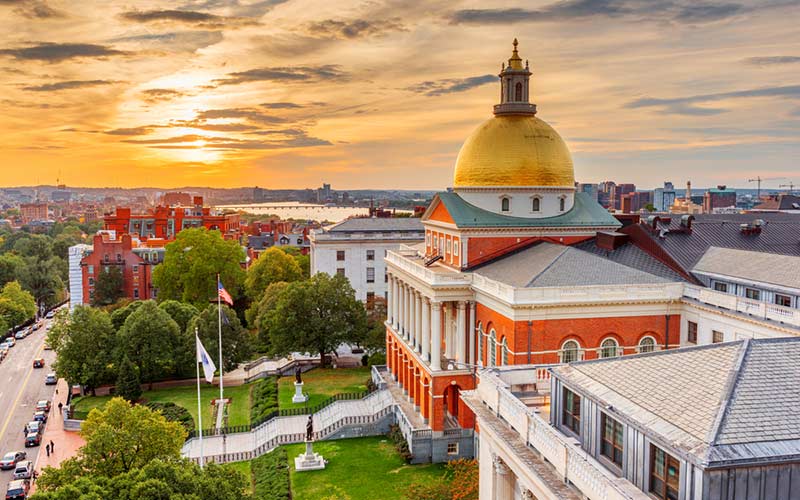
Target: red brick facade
136, 271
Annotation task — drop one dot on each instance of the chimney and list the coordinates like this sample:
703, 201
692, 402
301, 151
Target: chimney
688, 191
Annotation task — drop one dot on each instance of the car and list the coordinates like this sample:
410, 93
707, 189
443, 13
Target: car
23, 470
50, 314
40, 416
35, 426
43, 405
38, 363
50, 379
10, 459
20, 335
35, 327
18, 489
33, 439
11, 341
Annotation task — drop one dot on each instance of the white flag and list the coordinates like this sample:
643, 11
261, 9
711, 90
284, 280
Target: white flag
202, 357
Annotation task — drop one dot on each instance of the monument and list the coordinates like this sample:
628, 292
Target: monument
298, 397
309, 460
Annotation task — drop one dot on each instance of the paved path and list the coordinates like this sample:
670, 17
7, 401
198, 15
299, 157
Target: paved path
66, 442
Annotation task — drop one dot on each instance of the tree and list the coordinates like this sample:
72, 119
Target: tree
374, 338
180, 312
316, 315
119, 316
272, 266
460, 482
108, 286
236, 341
128, 384
151, 340
43, 278
650, 207
10, 267
158, 479
303, 260
84, 344
258, 314
16, 305
191, 264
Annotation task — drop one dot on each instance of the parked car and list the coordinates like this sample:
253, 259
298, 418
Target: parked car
35, 426
20, 334
50, 314
43, 405
40, 416
24, 470
33, 439
10, 459
36, 326
38, 363
18, 489
50, 379
11, 341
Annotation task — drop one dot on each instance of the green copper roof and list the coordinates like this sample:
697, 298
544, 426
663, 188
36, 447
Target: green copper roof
584, 213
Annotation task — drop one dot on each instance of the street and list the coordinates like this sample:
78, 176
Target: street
21, 386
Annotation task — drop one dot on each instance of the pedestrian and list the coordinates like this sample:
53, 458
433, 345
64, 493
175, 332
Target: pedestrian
60, 405
35, 476
47, 448
52, 446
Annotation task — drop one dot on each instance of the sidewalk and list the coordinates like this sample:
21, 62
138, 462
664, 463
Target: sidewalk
66, 442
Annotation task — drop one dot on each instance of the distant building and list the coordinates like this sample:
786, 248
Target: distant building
617, 191
175, 199
356, 248
787, 203
61, 196
721, 197
590, 189
687, 204
75, 255
258, 194
30, 212
663, 198
635, 201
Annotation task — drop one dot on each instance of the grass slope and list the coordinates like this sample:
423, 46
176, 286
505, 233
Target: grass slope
320, 384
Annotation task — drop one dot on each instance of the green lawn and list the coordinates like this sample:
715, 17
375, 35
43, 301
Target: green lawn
320, 384
238, 411
356, 470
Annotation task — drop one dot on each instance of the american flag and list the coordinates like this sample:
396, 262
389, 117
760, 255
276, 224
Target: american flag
223, 294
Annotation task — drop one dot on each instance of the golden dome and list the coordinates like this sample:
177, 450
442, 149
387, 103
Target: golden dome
514, 150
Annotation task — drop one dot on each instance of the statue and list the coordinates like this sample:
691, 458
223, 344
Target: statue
310, 428
297, 378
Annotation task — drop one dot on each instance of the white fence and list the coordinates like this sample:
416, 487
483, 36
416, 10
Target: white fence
761, 310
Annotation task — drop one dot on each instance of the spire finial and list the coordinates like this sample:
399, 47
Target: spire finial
515, 44
515, 62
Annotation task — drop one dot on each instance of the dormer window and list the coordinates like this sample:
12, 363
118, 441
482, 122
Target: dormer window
536, 205
561, 204
505, 204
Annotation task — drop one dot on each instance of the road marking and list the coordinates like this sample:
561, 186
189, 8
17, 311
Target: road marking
16, 401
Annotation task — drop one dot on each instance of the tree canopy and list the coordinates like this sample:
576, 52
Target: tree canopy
316, 315
272, 266
191, 264
236, 341
16, 305
84, 343
108, 286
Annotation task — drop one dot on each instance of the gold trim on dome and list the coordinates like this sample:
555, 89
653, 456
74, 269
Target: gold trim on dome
514, 151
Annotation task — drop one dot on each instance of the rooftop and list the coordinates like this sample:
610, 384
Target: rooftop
781, 270
378, 224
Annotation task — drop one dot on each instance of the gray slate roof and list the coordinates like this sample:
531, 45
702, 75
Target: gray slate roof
718, 404
379, 225
632, 256
781, 270
548, 264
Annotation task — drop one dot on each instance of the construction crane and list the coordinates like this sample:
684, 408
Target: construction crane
759, 180
791, 186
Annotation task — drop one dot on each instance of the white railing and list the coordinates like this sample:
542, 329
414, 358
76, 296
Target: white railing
564, 453
761, 310
417, 269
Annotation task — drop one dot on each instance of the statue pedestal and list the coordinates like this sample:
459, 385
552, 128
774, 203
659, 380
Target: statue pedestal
299, 397
309, 460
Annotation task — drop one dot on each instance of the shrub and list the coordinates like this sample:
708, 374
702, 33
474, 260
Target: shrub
378, 358
174, 413
400, 443
364, 360
271, 473
263, 399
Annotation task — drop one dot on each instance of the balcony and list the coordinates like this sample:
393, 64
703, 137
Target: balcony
757, 309
407, 259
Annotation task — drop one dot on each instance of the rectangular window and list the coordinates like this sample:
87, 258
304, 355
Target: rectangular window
428, 239
665, 474
721, 287
455, 248
91, 281
370, 254
91, 269
135, 269
717, 337
571, 416
370, 300
385, 277
370, 275
119, 257
783, 300
340, 271
612, 438
452, 448
752, 293
691, 332
340, 255
135, 293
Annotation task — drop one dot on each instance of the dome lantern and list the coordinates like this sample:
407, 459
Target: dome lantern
515, 87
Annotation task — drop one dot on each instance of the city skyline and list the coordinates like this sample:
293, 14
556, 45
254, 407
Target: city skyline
288, 94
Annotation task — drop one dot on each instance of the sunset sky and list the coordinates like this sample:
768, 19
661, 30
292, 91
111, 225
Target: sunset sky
381, 93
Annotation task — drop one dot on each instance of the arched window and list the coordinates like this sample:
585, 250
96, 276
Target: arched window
479, 334
536, 205
561, 204
505, 204
569, 351
504, 353
608, 349
647, 344
492, 348
518, 92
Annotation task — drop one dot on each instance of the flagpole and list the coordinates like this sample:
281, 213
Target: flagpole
219, 324
199, 406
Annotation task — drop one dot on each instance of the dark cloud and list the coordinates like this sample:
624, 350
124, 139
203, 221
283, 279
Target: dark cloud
191, 17
353, 28
286, 74
68, 85
249, 114
57, 52
214, 127
143, 130
280, 105
451, 85
33, 9
688, 105
158, 95
227, 143
686, 11
772, 60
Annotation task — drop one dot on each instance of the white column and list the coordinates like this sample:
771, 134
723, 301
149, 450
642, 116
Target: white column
448, 331
395, 302
472, 333
401, 308
503, 489
461, 325
407, 316
418, 321
436, 335
426, 330
390, 301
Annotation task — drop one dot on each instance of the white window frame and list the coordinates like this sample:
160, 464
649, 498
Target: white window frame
563, 350
603, 348
650, 338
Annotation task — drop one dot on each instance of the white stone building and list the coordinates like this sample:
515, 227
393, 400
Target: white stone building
75, 254
356, 248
